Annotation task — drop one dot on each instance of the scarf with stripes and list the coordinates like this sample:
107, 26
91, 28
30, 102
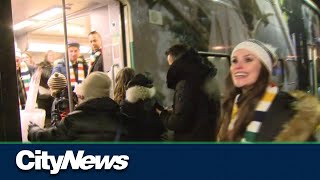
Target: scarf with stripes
21, 91
80, 70
262, 107
93, 58
25, 76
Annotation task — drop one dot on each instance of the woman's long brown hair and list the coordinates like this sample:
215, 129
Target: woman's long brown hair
122, 79
246, 103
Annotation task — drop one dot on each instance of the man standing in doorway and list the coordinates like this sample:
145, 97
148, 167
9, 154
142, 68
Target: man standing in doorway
78, 66
96, 58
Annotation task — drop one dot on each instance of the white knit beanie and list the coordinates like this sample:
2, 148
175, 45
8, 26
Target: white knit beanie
96, 85
265, 52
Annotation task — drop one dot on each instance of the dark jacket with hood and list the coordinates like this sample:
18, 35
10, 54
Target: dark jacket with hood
143, 122
196, 105
94, 120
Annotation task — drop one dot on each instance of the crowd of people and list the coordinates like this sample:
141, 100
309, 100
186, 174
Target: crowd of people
253, 109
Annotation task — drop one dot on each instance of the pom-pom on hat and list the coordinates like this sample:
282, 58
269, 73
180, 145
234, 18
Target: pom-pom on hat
265, 52
96, 85
57, 81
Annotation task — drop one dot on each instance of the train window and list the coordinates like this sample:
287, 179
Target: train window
209, 26
222, 63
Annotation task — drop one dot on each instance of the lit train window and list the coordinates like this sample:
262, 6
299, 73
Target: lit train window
41, 32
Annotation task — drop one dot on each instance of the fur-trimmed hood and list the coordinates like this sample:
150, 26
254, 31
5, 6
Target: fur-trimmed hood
136, 93
305, 121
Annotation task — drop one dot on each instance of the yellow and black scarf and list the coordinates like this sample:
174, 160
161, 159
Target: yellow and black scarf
263, 106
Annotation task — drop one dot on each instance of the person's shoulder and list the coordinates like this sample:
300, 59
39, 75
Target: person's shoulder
58, 62
100, 58
81, 60
181, 84
283, 101
304, 100
305, 120
76, 112
74, 115
285, 96
298, 98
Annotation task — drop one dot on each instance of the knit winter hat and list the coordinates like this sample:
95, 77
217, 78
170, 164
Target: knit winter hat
140, 80
57, 81
73, 44
265, 52
96, 85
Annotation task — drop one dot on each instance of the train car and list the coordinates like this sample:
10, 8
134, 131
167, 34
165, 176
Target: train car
136, 33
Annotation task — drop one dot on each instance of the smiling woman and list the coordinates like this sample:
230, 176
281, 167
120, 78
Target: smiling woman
245, 69
254, 108
246, 60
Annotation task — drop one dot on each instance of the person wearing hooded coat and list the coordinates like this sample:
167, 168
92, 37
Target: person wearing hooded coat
96, 118
196, 102
143, 122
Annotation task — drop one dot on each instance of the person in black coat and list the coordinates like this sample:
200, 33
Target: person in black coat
44, 98
143, 122
196, 103
96, 118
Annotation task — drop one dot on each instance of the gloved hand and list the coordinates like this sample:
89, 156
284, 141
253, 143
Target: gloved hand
32, 128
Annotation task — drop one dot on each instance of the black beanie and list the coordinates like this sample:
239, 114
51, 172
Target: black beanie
140, 80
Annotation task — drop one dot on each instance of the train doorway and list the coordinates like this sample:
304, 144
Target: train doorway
38, 28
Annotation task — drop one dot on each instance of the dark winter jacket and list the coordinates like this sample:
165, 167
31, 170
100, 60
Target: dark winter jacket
291, 117
46, 68
143, 122
44, 98
196, 103
98, 64
94, 120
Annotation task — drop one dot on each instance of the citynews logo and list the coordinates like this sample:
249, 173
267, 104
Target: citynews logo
40, 160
